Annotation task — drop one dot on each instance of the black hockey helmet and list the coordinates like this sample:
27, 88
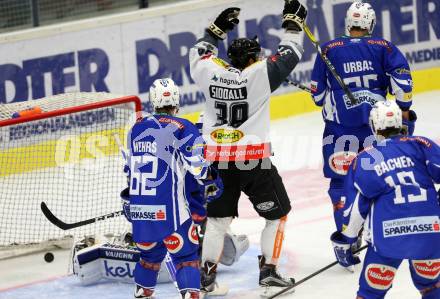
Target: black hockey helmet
243, 49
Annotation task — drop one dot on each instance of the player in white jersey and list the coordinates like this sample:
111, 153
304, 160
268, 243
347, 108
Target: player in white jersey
236, 129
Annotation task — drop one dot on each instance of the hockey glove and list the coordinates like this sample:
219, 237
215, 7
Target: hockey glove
409, 125
225, 22
213, 187
126, 203
342, 250
294, 15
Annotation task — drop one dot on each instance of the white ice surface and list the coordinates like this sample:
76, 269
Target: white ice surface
306, 247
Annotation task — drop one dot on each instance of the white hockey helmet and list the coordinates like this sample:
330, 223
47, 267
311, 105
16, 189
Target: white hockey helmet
164, 92
360, 15
385, 115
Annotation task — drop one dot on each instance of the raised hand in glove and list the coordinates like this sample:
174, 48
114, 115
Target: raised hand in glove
294, 15
409, 125
343, 251
225, 22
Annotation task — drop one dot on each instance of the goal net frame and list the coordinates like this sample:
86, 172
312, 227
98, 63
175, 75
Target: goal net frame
19, 248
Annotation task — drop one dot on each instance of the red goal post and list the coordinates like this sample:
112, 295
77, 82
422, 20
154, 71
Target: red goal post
65, 154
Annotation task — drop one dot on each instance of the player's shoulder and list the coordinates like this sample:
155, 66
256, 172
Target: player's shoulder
334, 43
379, 43
179, 122
418, 140
367, 153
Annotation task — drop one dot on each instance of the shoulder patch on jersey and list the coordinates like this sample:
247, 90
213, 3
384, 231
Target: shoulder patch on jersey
417, 139
332, 45
220, 62
380, 42
175, 122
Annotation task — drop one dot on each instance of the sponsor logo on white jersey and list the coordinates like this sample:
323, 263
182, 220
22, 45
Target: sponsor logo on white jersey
226, 136
411, 226
148, 212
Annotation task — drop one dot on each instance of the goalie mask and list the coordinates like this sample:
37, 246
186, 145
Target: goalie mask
243, 49
360, 15
385, 115
163, 93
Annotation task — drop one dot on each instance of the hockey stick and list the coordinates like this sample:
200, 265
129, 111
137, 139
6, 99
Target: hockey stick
312, 275
66, 226
330, 66
299, 85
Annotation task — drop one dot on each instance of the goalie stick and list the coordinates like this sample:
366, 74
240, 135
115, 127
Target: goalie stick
311, 275
329, 65
66, 226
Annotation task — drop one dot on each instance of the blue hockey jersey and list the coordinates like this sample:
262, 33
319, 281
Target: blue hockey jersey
370, 67
391, 188
162, 150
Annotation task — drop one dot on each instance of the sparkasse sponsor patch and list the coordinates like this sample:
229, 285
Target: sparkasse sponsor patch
148, 212
411, 226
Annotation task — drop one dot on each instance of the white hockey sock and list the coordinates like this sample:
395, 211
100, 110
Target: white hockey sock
272, 238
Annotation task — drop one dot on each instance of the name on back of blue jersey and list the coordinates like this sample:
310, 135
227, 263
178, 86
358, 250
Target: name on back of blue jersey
358, 66
145, 147
392, 164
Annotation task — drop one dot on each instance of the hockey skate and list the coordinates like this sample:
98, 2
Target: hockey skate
143, 293
271, 282
209, 287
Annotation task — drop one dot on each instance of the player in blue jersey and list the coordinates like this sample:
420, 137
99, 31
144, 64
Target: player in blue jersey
370, 67
390, 191
163, 149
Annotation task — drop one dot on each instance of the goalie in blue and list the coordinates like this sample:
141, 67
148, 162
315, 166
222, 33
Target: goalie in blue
163, 151
390, 191
370, 67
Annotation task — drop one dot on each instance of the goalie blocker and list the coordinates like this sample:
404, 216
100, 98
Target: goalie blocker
114, 259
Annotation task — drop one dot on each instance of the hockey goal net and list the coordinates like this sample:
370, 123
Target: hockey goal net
67, 155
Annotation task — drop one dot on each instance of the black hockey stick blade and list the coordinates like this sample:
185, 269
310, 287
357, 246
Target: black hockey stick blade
329, 65
66, 226
310, 276
299, 86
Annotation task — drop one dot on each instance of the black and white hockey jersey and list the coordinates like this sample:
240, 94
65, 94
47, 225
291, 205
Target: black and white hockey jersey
237, 117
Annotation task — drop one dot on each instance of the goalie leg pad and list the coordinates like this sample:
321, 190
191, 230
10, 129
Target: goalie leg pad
216, 229
147, 269
234, 247
272, 238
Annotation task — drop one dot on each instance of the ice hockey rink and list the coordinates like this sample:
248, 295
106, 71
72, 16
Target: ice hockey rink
306, 246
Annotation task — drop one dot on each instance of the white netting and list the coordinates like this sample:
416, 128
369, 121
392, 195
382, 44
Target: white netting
71, 161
